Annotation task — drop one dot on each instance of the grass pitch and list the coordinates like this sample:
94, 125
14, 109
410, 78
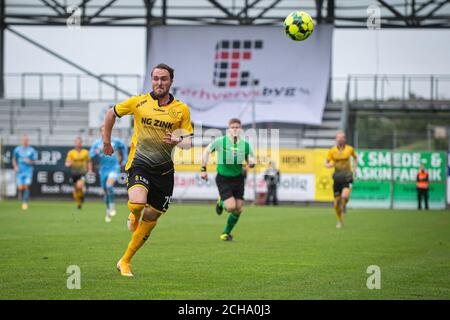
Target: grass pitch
278, 253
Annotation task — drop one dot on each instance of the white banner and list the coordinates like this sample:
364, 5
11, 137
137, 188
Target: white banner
224, 71
97, 111
293, 187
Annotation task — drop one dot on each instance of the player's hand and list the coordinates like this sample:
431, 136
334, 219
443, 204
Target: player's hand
170, 138
16, 169
108, 149
204, 176
329, 165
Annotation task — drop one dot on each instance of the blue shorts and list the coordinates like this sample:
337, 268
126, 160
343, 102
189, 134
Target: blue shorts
104, 176
24, 178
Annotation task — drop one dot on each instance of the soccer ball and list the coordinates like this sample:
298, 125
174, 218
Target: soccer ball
298, 25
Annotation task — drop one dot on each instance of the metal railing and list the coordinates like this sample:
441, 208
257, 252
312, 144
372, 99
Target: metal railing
359, 87
66, 86
398, 88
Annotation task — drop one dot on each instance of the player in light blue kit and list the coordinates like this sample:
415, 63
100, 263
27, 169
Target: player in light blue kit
24, 157
109, 169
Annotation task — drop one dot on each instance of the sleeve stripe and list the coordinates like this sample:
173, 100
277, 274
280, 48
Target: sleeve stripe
115, 112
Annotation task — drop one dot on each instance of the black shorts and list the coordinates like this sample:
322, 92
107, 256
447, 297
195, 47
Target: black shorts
159, 186
230, 186
339, 185
75, 177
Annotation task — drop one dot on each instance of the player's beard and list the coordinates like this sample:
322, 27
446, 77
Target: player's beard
161, 95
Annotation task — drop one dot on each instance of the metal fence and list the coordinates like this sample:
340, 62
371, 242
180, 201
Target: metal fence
358, 88
402, 88
432, 139
64, 86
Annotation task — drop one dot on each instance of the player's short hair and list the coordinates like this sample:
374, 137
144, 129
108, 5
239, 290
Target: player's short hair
165, 67
340, 132
234, 120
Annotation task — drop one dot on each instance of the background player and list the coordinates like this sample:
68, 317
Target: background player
24, 157
339, 157
160, 123
109, 169
77, 160
232, 151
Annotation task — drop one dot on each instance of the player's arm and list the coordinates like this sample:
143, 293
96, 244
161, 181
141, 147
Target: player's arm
182, 137
205, 158
329, 163
355, 161
251, 161
184, 142
32, 158
110, 120
14, 161
69, 161
250, 158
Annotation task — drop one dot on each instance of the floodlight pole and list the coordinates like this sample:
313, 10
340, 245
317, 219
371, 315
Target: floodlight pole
254, 130
2, 48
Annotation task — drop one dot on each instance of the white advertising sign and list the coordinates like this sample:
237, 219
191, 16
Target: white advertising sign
224, 71
293, 187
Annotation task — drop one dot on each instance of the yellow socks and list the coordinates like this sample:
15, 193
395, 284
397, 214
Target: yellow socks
338, 208
344, 202
135, 215
78, 196
138, 238
136, 208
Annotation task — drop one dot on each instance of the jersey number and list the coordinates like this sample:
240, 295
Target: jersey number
168, 200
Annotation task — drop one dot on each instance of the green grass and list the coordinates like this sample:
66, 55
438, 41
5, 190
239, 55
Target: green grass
278, 253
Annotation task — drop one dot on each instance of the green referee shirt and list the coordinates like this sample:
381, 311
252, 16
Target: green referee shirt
230, 155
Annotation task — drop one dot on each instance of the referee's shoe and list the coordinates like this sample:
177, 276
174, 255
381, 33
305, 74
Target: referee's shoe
219, 206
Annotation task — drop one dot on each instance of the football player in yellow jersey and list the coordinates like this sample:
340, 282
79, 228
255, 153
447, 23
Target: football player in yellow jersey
339, 157
77, 160
160, 123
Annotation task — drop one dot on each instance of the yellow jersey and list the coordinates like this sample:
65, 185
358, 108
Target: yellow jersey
80, 160
151, 121
342, 159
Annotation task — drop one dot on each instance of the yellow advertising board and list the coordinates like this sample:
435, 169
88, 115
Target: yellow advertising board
323, 177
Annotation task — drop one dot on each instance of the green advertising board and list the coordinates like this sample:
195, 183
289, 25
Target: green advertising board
386, 179
405, 168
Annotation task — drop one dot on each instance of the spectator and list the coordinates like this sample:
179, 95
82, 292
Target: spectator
272, 178
422, 185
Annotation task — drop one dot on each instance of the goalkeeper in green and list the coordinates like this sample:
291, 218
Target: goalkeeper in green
232, 151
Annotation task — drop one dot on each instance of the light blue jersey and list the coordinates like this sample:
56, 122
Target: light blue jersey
109, 165
25, 174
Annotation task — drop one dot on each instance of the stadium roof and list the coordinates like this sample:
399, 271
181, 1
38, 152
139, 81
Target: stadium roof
343, 13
